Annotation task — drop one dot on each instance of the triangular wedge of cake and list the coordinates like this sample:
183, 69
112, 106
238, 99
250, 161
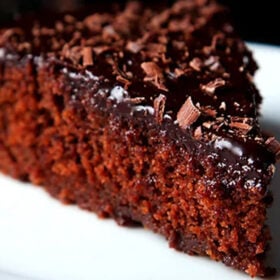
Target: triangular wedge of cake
147, 115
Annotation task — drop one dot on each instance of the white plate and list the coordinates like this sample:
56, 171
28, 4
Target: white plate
42, 239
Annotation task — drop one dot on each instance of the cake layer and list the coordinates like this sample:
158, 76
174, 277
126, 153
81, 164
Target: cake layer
147, 117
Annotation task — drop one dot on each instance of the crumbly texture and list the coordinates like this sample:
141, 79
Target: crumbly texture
149, 116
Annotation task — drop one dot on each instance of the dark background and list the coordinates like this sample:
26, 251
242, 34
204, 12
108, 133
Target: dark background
255, 20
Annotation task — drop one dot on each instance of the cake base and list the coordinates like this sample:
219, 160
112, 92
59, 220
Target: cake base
118, 168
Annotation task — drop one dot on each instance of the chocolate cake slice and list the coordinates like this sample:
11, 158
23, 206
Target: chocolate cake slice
147, 115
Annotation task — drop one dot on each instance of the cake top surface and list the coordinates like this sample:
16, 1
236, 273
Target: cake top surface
182, 64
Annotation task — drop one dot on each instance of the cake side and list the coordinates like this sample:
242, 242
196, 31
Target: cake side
133, 170
178, 150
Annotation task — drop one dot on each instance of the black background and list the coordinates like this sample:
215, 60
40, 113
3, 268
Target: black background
255, 20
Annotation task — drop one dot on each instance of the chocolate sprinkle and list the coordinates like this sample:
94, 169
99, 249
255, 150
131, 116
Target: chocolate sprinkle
133, 47
135, 100
188, 114
209, 111
87, 56
198, 133
211, 87
159, 106
196, 64
223, 106
242, 124
153, 74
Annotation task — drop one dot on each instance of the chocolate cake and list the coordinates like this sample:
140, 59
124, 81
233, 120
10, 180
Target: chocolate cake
146, 115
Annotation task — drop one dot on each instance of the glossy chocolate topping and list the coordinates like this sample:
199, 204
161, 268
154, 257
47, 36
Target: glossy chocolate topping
183, 68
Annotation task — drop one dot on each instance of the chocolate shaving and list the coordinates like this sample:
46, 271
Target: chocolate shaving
95, 22
179, 45
155, 50
196, 64
24, 46
209, 111
69, 19
151, 69
135, 100
242, 124
178, 72
133, 47
188, 114
87, 56
79, 25
123, 80
198, 133
163, 39
274, 146
109, 32
74, 54
226, 75
213, 64
159, 19
217, 40
59, 26
208, 124
47, 31
241, 119
6, 35
165, 60
223, 106
101, 49
154, 74
211, 87
218, 126
56, 45
75, 38
211, 60
121, 75
159, 106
